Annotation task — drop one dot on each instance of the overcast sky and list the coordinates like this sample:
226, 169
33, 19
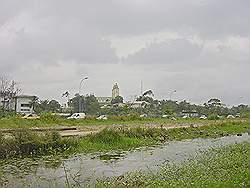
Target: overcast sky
201, 48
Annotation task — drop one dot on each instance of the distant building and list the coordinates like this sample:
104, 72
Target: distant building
190, 113
24, 104
104, 100
107, 100
21, 104
115, 91
138, 104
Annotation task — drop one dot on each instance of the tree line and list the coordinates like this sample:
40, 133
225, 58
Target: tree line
153, 107
90, 105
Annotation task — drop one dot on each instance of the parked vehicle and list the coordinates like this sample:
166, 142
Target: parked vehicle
185, 117
102, 117
143, 115
77, 116
230, 117
166, 116
203, 117
31, 116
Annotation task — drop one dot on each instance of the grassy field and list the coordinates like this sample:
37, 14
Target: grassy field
221, 168
50, 121
27, 143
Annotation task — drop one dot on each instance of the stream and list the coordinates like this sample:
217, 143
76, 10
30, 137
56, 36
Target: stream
84, 169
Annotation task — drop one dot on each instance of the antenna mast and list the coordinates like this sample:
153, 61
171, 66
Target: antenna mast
141, 87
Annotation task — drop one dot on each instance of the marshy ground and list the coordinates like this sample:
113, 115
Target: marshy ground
28, 156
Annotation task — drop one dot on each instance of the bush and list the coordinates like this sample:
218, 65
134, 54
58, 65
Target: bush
25, 142
107, 136
5, 113
213, 117
245, 114
49, 117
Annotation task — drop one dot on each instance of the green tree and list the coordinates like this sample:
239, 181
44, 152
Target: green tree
214, 102
148, 93
117, 100
54, 106
46, 106
88, 104
8, 90
215, 106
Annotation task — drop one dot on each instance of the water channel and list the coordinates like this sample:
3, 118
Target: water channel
85, 169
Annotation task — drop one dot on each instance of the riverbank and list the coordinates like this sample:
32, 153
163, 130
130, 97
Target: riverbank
28, 143
221, 167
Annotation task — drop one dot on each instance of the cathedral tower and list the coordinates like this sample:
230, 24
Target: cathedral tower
115, 91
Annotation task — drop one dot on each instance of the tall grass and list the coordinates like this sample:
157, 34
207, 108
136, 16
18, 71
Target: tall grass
24, 142
224, 167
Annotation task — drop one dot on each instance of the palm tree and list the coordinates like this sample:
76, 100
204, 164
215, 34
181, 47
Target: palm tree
148, 93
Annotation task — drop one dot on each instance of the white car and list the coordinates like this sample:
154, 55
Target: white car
230, 117
77, 116
185, 117
31, 116
102, 117
203, 117
165, 116
143, 115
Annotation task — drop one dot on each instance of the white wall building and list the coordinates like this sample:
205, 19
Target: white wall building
104, 100
138, 104
24, 104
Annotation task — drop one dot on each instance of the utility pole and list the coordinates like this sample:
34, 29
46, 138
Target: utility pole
141, 88
79, 97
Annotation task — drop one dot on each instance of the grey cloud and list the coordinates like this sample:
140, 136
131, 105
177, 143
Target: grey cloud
51, 42
172, 51
213, 18
69, 35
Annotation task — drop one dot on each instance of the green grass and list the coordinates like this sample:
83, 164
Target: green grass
50, 121
221, 168
212, 130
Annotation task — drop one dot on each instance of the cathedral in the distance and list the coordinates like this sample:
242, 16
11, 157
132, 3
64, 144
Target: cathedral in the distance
115, 91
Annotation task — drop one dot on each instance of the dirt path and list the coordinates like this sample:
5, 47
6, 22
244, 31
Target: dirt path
84, 131
81, 131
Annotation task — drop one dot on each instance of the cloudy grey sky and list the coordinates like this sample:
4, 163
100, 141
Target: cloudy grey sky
201, 48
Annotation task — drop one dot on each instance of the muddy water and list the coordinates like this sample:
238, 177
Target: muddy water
83, 170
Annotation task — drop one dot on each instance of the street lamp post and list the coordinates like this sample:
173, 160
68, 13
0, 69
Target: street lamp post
79, 97
171, 93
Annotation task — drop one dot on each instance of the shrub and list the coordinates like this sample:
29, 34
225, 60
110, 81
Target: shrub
50, 118
213, 117
5, 113
25, 142
107, 136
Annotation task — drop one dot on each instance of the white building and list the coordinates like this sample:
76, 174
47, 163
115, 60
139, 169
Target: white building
189, 113
138, 104
21, 104
107, 100
104, 100
24, 104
